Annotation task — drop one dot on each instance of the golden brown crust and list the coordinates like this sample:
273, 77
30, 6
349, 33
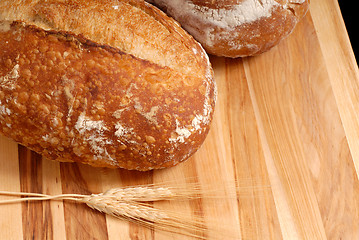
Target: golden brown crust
236, 28
71, 98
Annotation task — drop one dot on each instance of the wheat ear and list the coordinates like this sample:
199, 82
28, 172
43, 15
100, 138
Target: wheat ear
148, 216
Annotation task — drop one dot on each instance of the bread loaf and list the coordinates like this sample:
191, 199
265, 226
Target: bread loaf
108, 83
236, 28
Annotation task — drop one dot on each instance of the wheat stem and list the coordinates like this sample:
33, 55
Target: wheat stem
27, 194
22, 194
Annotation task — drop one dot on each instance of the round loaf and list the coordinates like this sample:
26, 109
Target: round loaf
108, 83
236, 28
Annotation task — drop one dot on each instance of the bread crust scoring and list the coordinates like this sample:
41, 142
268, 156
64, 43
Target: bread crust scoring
71, 94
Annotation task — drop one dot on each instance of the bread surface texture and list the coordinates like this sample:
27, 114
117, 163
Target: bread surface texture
107, 83
236, 28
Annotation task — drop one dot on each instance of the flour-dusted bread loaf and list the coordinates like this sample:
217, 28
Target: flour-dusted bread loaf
110, 83
236, 28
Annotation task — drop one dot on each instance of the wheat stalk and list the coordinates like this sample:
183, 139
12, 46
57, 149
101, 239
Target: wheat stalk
131, 204
134, 204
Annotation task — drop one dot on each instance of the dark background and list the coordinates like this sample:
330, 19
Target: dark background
351, 20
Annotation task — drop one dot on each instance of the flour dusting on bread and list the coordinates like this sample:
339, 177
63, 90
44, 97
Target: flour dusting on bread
236, 28
9, 80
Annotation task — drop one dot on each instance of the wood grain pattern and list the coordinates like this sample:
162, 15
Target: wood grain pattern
285, 140
10, 217
342, 68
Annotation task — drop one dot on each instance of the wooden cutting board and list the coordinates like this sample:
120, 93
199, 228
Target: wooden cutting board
285, 137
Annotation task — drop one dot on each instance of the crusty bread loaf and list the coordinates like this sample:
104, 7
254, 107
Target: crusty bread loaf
108, 83
236, 28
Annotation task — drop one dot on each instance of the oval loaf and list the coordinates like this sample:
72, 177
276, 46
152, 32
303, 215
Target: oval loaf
108, 83
236, 28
